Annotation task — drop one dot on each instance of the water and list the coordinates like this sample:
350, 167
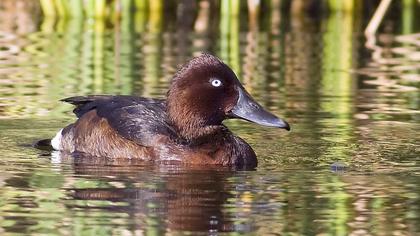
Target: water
351, 164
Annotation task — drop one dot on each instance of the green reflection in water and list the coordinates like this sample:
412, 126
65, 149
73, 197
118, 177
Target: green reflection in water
337, 83
298, 65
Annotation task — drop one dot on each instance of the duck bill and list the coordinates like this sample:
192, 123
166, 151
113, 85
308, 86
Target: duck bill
248, 109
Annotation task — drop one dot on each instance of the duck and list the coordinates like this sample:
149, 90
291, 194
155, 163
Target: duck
186, 127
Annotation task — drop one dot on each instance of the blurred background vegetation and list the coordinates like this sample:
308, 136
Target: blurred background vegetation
305, 59
353, 106
124, 39
188, 12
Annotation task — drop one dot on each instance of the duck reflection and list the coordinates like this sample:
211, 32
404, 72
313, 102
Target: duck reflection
165, 197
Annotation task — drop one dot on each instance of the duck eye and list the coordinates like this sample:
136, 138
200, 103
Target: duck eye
216, 83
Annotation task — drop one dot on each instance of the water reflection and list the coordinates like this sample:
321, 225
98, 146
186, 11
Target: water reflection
351, 107
127, 197
186, 200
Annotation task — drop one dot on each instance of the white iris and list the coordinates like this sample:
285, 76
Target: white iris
216, 83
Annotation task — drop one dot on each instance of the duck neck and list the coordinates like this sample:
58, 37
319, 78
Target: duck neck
189, 124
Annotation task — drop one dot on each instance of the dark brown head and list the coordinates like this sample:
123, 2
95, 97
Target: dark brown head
204, 92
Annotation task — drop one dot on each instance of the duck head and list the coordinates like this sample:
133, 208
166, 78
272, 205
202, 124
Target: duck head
204, 92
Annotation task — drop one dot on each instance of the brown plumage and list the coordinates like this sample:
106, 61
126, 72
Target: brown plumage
186, 127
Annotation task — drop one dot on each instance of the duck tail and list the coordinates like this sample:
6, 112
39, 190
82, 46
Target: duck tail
44, 144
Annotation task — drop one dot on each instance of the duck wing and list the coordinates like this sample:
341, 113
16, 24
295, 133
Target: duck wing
134, 118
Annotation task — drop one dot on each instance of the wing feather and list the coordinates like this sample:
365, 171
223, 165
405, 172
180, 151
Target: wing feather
135, 118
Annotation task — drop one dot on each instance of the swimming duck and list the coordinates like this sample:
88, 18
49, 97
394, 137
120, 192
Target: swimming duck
185, 127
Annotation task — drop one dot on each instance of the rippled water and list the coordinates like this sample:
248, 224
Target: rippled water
351, 164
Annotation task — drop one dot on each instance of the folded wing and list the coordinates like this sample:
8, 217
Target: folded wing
135, 118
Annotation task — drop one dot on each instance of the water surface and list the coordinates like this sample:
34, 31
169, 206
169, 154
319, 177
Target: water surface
351, 164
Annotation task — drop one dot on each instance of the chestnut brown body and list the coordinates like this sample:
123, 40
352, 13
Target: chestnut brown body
186, 127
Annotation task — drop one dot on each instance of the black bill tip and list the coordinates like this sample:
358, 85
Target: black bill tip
248, 109
287, 127
284, 125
